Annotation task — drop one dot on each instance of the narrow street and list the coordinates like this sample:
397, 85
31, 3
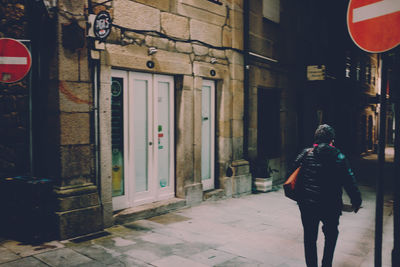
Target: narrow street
256, 230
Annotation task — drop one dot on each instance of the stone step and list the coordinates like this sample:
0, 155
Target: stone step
148, 210
214, 194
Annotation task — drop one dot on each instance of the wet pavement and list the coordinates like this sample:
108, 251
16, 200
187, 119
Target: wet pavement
256, 230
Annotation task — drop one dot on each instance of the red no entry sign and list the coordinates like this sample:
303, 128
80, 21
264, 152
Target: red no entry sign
374, 25
15, 60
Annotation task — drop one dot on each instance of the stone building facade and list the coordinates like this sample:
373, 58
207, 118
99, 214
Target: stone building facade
271, 86
164, 113
151, 119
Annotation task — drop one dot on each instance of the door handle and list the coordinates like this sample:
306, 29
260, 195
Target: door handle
205, 118
150, 143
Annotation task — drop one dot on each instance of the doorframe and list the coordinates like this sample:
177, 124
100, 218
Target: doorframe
210, 185
154, 192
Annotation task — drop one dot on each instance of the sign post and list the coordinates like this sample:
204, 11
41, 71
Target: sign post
15, 60
374, 27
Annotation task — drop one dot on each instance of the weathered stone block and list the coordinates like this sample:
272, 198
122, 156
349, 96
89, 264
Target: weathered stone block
136, 16
240, 167
108, 214
237, 128
68, 65
238, 99
237, 4
226, 37
135, 57
187, 82
203, 69
226, 185
236, 71
162, 5
205, 32
201, 14
224, 149
200, 50
176, 26
75, 96
241, 185
235, 57
194, 194
76, 161
220, 54
198, 83
237, 39
237, 145
160, 43
184, 146
77, 202
225, 105
171, 62
236, 18
79, 222
224, 129
75, 128
183, 47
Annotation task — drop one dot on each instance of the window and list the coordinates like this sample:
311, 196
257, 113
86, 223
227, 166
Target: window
268, 121
271, 10
348, 65
218, 2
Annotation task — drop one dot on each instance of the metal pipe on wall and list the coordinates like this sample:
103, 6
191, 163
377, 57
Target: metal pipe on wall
246, 33
396, 205
381, 164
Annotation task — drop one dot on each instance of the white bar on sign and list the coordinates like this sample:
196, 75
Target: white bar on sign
14, 60
375, 10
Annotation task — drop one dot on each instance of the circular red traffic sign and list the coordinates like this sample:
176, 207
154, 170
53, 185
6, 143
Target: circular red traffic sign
15, 60
374, 25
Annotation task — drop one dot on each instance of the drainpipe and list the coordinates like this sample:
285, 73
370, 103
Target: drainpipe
95, 77
381, 164
246, 33
396, 206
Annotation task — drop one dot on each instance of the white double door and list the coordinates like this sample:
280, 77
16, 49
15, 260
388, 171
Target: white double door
148, 139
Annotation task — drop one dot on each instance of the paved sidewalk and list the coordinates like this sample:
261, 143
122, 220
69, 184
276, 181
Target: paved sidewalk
256, 230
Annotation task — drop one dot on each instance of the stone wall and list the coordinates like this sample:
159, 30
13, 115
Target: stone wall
189, 61
14, 99
269, 39
78, 207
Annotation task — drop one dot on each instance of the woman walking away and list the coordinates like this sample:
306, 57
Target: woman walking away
324, 172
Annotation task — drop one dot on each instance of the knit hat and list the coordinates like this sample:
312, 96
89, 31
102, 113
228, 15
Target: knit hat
324, 134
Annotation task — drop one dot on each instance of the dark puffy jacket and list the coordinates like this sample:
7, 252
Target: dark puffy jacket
325, 170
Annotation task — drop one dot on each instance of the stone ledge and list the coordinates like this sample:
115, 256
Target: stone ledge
79, 222
216, 194
148, 210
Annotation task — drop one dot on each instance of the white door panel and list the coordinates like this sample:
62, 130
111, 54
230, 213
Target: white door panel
148, 139
207, 134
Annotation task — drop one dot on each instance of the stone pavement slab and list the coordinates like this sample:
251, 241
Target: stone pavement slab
255, 230
63, 257
25, 262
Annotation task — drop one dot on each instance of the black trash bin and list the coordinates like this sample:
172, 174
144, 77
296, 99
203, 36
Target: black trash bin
27, 205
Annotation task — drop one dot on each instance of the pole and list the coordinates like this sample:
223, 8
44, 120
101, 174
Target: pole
396, 205
381, 164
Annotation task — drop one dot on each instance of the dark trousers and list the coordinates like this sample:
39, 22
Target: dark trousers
310, 217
